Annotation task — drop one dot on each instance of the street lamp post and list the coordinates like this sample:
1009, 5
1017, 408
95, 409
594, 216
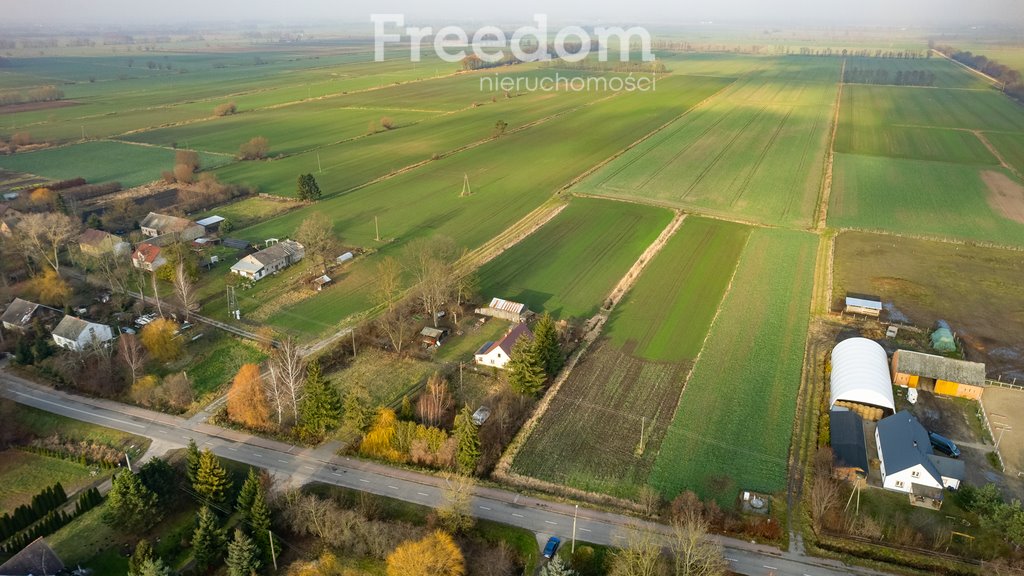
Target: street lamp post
574, 514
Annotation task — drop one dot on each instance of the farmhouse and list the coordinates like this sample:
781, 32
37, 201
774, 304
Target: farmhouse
850, 456
863, 304
947, 376
271, 259
175, 228
97, 243
860, 378
20, 314
36, 559
497, 353
908, 464
77, 334
211, 224
506, 310
147, 257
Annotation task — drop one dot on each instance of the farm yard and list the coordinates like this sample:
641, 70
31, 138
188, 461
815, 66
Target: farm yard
569, 266
732, 429
627, 385
975, 289
754, 152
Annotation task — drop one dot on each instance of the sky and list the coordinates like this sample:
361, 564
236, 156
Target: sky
832, 12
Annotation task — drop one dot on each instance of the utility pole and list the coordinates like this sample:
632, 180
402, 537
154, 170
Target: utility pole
128, 460
353, 333
319, 168
273, 553
377, 228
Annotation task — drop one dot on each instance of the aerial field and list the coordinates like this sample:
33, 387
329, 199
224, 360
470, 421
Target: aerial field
942, 72
627, 386
23, 475
931, 107
427, 201
754, 152
927, 198
976, 289
732, 429
570, 265
1010, 147
102, 161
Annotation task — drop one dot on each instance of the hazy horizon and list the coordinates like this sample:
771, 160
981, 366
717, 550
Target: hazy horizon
773, 12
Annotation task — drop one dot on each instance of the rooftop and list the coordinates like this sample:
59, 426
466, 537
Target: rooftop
507, 306
36, 559
165, 223
146, 252
93, 237
940, 368
19, 312
71, 327
846, 429
210, 221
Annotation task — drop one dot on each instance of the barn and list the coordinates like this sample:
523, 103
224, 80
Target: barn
946, 376
849, 450
860, 378
863, 304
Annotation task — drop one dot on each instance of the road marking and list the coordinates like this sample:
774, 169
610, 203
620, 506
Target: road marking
552, 523
59, 405
392, 487
584, 529
364, 480
335, 473
309, 467
517, 515
484, 508
732, 560
422, 494
283, 461
769, 567
232, 449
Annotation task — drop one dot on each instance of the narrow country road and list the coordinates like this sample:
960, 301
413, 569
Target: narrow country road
294, 465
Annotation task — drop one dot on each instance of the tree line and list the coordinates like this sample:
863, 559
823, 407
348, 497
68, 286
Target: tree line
1010, 78
854, 75
39, 94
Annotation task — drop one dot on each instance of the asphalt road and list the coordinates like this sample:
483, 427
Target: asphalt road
294, 465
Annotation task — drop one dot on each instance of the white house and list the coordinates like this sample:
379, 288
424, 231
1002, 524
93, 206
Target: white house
77, 334
908, 464
497, 353
269, 260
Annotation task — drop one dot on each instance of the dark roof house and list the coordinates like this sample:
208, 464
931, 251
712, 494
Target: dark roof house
36, 559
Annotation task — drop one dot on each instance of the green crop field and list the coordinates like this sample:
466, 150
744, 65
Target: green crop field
23, 475
732, 428
921, 143
1010, 147
755, 151
631, 379
945, 73
569, 266
926, 198
428, 200
931, 107
103, 161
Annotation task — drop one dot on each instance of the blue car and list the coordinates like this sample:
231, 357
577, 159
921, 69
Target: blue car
551, 547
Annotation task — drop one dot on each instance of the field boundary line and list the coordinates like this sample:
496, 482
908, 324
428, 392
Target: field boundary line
995, 152
503, 469
825, 192
667, 204
943, 239
995, 83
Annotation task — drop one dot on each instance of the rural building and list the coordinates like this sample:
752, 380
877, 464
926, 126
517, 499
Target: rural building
319, 283
344, 258
860, 378
271, 259
237, 243
36, 559
946, 376
506, 310
20, 314
497, 353
148, 257
211, 224
849, 451
908, 463
863, 304
431, 336
97, 243
77, 334
176, 228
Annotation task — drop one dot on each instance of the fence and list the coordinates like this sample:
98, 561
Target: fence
983, 413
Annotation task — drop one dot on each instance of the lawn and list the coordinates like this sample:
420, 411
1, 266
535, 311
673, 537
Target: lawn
385, 376
570, 265
102, 161
918, 197
251, 210
732, 428
217, 359
23, 475
755, 151
627, 386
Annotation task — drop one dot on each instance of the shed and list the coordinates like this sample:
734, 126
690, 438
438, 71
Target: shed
18, 315
865, 304
211, 223
947, 376
860, 375
431, 336
344, 258
506, 309
850, 457
320, 282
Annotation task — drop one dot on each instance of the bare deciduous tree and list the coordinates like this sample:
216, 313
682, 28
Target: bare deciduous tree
641, 555
185, 290
396, 326
389, 282
115, 269
316, 234
132, 354
693, 553
288, 377
44, 235
430, 260
455, 512
434, 401
824, 492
